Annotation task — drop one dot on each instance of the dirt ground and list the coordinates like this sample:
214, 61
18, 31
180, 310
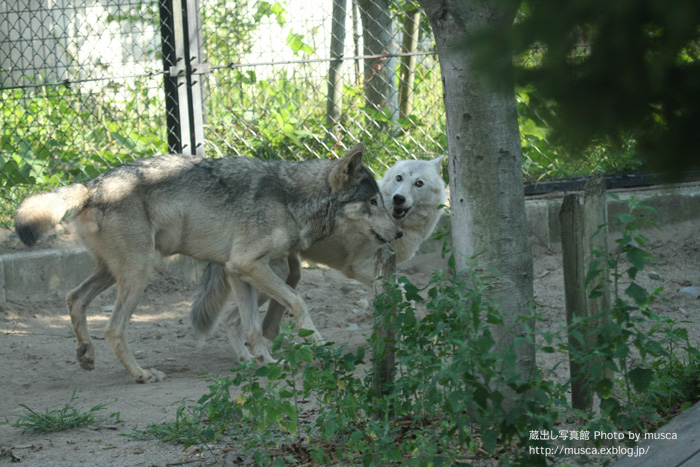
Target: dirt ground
38, 367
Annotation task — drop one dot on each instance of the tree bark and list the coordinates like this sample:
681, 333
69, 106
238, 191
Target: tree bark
486, 181
380, 73
334, 105
408, 62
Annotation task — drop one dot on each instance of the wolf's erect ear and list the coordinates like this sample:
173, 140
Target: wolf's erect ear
346, 168
438, 162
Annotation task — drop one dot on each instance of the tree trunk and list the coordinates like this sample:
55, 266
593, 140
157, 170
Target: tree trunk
409, 45
381, 96
356, 39
486, 181
334, 105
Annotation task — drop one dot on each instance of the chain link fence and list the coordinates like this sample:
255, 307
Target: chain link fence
87, 85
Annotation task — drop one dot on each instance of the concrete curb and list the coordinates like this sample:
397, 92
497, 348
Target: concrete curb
44, 274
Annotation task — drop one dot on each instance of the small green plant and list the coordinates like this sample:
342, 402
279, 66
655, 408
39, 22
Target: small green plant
51, 420
446, 400
452, 376
191, 427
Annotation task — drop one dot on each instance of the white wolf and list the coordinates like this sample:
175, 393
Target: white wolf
413, 191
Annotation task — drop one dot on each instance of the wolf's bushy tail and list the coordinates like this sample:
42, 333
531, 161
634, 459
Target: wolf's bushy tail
40, 213
209, 298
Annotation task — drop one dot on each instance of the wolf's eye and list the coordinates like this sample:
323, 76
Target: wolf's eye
373, 201
419, 183
399, 178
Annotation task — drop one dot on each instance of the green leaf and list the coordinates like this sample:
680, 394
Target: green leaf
641, 378
305, 354
594, 269
637, 257
490, 440
625, 218
295, 42
604, 388
530, 128
638, 294
305, 333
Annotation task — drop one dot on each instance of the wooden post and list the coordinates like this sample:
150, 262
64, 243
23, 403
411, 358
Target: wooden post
383, 362
580, 221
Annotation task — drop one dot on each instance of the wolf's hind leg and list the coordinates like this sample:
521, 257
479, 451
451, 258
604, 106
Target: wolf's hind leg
246, 296
232, 324
78, 300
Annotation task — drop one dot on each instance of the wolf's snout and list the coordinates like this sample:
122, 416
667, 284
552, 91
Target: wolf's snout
388, 239
399, 208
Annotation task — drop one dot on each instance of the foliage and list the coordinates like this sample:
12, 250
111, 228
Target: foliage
635, 80
446, 401
282, 118
633, 341
451, 370
53, 420
544, 159
229, 28
56, 135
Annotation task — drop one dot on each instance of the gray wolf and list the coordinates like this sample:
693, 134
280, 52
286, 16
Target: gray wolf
412, 191
237, 212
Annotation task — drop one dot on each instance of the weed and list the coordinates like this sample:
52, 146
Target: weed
52, 420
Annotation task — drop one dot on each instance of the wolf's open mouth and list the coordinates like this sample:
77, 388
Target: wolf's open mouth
400, 212
379, 237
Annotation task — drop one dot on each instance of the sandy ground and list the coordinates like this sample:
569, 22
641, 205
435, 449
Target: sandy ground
38, 367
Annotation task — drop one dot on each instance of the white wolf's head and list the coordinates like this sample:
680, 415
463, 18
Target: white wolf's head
412, 185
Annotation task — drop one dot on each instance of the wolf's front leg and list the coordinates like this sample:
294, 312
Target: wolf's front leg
129, 293
291, 270
260, 276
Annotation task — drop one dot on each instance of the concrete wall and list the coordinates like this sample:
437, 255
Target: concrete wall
674, 203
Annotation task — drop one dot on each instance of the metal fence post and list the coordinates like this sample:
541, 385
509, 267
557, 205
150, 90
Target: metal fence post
170, 82
195, 69
182, 52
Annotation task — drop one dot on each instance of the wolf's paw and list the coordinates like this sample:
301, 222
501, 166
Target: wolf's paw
85, 354
265, 359
149, 376
244, 355
262, 355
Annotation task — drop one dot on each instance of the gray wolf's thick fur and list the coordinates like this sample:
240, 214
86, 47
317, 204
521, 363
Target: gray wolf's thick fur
237, 212
412, 191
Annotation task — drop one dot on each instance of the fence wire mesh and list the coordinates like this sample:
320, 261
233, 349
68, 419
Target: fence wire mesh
87, 85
